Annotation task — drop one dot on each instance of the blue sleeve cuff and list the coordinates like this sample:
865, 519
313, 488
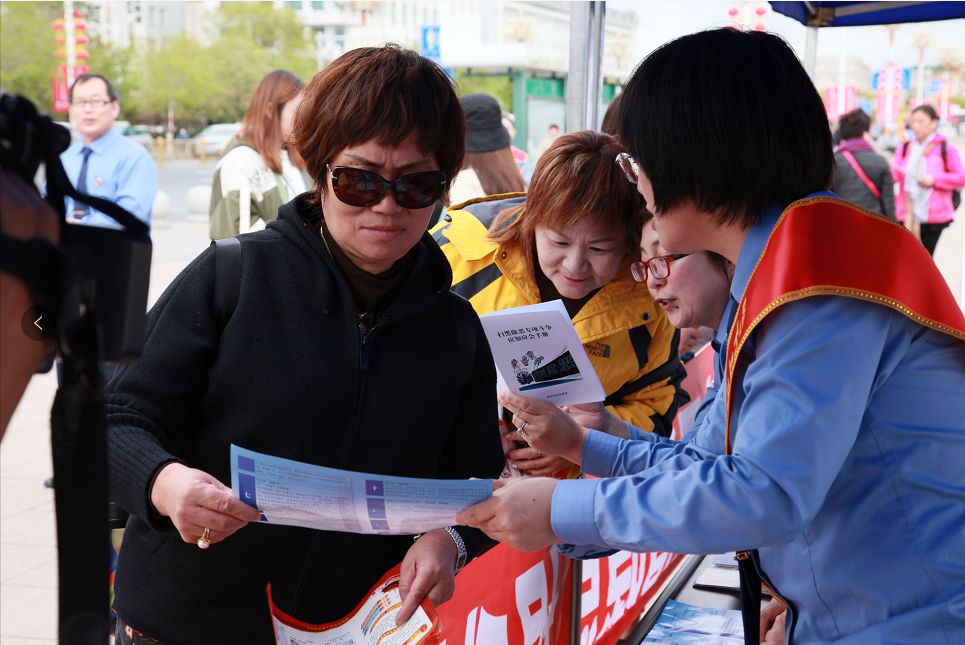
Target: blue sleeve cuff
600, 453
571, 512
636, 434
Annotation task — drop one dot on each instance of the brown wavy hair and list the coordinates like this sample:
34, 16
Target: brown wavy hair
497, 171
261, 127
384, 93
576, 178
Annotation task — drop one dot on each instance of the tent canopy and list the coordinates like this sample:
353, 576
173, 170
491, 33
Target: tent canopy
856, 14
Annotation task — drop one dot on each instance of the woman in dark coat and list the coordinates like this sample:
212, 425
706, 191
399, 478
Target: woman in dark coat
345, 349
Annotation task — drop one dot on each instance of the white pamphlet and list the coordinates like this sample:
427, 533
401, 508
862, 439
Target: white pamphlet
538, 354
299, 494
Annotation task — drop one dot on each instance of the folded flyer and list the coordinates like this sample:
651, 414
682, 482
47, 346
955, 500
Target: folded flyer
372, 622
539, 354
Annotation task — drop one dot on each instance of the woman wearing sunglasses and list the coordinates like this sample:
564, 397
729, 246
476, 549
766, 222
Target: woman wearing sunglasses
572, 237
343, 324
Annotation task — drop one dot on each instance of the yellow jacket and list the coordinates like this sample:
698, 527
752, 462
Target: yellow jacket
629, 340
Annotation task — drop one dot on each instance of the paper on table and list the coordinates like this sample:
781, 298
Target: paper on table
720, 579
683, 624
538, 354
726, 560
299, 494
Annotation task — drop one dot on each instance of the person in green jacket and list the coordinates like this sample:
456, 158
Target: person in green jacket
257, 173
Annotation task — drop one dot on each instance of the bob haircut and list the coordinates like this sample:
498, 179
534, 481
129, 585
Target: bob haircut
730, 120
576, 178
262, 123
854, 124
383, 93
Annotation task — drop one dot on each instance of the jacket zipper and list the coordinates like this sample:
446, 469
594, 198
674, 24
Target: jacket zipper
766, 583
365, 338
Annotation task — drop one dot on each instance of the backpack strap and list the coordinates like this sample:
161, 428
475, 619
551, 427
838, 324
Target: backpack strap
944, 149
861, 173
227, 278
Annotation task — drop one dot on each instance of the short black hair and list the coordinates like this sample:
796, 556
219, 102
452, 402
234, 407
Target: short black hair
730, 120
854, 124
83, 78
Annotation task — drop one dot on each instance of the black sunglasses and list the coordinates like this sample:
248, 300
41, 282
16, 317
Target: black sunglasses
357, 187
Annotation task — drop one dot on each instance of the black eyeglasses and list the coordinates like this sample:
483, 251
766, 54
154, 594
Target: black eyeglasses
357, 187
658, 267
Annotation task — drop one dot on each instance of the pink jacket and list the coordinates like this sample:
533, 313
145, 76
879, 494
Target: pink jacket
940, 203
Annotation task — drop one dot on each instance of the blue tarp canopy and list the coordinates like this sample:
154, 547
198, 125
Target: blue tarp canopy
857, 14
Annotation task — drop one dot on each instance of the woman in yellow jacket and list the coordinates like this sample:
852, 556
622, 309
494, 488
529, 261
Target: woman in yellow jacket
573, 238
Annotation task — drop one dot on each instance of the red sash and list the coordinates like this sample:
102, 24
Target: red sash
823, 246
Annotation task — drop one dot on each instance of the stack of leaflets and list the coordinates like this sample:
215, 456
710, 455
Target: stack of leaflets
538, 354
684, 624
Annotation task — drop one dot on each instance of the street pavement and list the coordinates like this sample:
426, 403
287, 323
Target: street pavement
28, 556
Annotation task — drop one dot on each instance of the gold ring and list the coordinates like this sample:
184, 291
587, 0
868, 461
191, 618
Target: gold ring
205, 540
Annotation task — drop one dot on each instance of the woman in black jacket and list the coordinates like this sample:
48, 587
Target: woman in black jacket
861, 175
345, 349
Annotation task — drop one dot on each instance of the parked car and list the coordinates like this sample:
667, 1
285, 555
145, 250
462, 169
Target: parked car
138, 133
212, 140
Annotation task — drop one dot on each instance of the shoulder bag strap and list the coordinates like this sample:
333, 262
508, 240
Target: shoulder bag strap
861, 174
227, 278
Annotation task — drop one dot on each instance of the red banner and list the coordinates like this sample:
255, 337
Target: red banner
61, 95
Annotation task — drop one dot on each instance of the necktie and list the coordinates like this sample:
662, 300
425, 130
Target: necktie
81, 210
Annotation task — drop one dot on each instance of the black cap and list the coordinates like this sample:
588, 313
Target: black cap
484, 123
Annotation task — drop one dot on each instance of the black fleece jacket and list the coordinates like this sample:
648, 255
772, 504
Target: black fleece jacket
290, 375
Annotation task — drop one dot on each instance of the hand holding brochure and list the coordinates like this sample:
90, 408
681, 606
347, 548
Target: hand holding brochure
299, 494
372, 622
539, 354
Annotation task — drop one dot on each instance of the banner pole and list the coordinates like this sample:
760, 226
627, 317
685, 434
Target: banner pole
576, 597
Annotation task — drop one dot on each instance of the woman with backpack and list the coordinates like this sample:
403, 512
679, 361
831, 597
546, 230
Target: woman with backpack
861, 175
929, 172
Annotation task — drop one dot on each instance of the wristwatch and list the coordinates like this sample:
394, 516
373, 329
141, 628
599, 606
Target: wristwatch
461, 554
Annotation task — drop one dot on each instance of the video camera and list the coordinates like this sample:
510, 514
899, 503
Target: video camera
97, 270
91, 289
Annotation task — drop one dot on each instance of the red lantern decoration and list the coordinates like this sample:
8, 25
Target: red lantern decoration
732, 12
760, 11
82, 54
760, 27
57, 24
81, 39
80, 25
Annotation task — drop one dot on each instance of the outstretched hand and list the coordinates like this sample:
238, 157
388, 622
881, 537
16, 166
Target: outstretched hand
518, 513
428, 569
545, 427
195, 501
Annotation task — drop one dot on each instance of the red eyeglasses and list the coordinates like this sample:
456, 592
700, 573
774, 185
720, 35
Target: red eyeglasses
658, 267
357, 187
